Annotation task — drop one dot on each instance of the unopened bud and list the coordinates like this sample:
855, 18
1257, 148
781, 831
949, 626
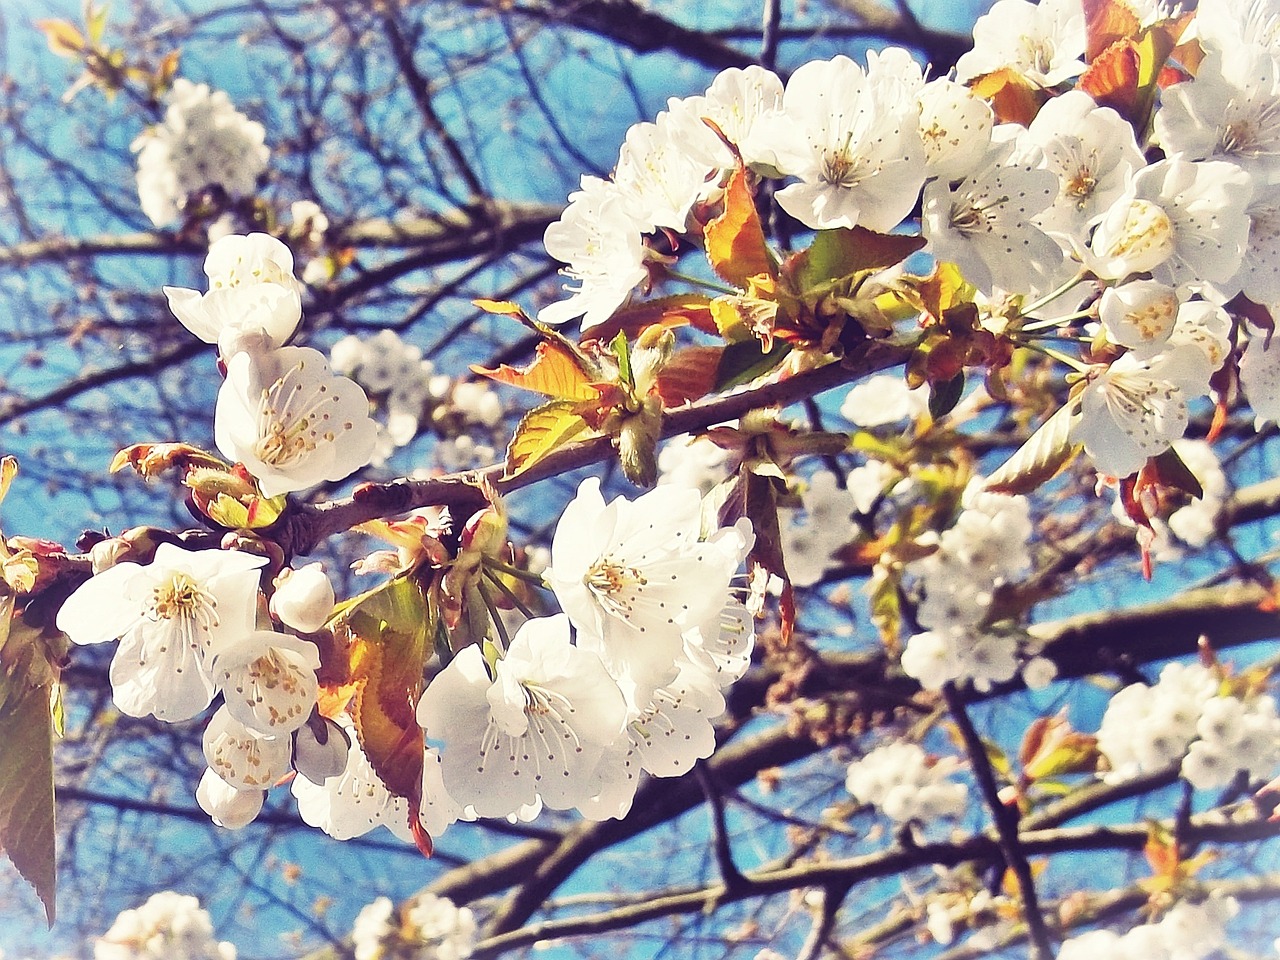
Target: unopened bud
304, 598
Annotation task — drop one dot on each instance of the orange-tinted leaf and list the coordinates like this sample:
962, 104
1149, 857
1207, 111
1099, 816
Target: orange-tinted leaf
64, 39
388, 632
542, 431
1112, 78
689, 375
678, 310
1013, 97
503, 308
554, 372
1107, 21
1038, 460
735, 240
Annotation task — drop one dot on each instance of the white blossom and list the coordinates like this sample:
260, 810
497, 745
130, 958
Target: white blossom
656, 178
253, 298
243, 758
534, 725
852, 138
955, 128
268, 681
202, 141
226, 805
882, 400
290, 421
172, 617
736, 101
906, 784
169, 926
1043, 42
303, 598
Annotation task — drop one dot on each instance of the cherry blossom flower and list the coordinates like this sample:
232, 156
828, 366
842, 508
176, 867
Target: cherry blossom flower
202, 141
353, 802
1182, 221
1258, 278
1260, 378
535, 725
268, 681
633, 576
241, 757
1136, 408
227, 806
1093, 153
900, 779
955, 128
852, 138
1228, 26
1140, 315
656, 177
736, 101
1043, 42
290, 421
169, 926
172, 618
1231, 111
984, 225
882, 400
253, 297
600, 241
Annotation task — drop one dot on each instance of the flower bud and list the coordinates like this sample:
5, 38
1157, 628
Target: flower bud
304, 598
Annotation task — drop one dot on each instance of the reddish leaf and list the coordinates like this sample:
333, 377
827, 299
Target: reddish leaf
542, 431
735, 240
1107, 21
1013, 97
689, 375
1112, 78
678, 310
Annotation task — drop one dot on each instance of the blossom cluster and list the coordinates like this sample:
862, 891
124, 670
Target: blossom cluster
1187, 715
169, 926
985, 548
906, 784
568, 718
412, 393
1189, 931
426, 927
203, 141
1063, 207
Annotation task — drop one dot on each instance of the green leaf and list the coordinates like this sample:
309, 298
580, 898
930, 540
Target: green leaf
842, 253
742, 362
944, 396
623, 353
27, 833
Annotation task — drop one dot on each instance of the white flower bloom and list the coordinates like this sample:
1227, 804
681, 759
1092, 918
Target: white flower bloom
955, 127
320, 749
1228, 26
172, 617
984, 225
1043, 42
1093, 153
736, 101
1206, 326
227, 806
303, 598
268, 681
692, 462
169, 926
601, 243
253, 299
1258, 277
656, 177
536, 728
374, 930
1146, 727
882, 400
243, 758
1139, 315
437, 809
852, 138
633, 576
354, 802
203, 141
722, 646
1260, 378
1231, 111
1136, 408
868, 483
1182, 221
901, 780
290, 421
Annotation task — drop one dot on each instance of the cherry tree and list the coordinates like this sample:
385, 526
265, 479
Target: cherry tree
843, 499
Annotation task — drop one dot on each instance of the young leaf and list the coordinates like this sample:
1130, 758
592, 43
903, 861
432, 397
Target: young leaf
677, 310
944, 396
735, 240
542, 431
842, 253
388, 632
690, 375
1107, 21
1013, 97
27, 833
742, 362
555, 371
64, 39
1038, 460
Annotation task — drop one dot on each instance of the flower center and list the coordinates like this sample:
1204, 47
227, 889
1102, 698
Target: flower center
181, 598
614, 584
1081, 185
1252, 135
968, 215
292, 419
1146, 238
